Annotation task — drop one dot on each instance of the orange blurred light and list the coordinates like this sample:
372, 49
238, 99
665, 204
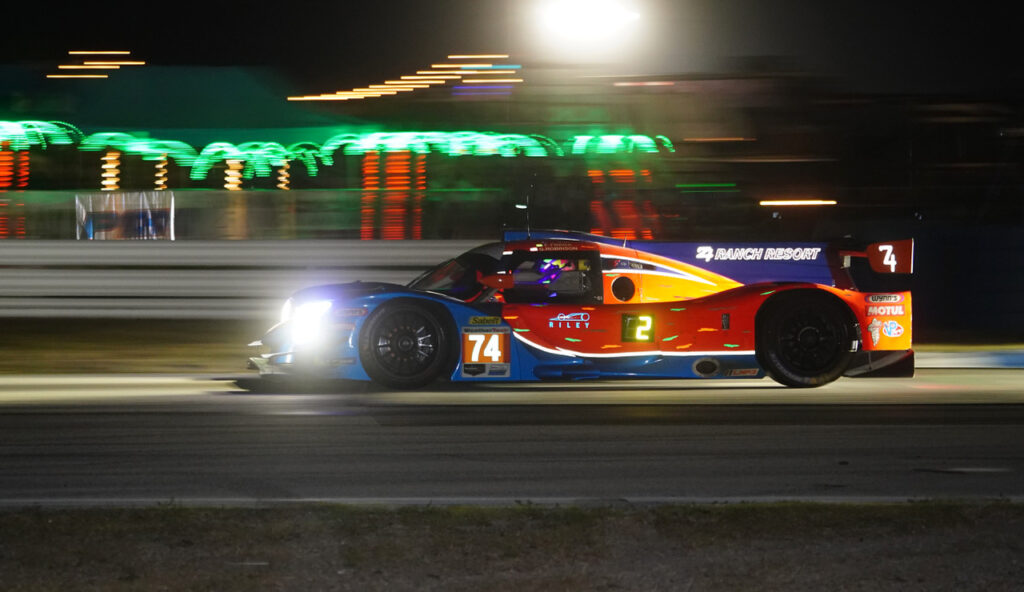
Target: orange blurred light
118, 63
483, 56
81, 67
438, 77
494, 71
461, 65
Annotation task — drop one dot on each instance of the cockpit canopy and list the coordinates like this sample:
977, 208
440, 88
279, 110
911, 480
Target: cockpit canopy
568, 272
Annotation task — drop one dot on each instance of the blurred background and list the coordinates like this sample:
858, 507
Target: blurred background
330, 126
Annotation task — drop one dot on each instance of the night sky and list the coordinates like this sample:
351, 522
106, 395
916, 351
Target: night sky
869, 45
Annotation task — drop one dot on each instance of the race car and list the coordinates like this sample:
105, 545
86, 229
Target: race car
559, 305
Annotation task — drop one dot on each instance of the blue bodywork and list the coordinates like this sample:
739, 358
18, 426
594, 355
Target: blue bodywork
339, 357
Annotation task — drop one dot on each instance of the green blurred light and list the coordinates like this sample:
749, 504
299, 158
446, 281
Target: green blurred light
211, 155
306, 153
707, 187
465, 143
23, 135
260, 158
147, 148
616, 144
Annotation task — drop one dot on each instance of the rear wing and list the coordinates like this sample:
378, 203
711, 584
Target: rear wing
888, 257
750, 263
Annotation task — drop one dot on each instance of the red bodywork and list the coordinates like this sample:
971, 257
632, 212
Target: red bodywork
693, 310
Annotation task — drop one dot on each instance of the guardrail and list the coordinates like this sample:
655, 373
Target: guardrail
194, 279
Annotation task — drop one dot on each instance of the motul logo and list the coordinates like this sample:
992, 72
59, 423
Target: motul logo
891, 310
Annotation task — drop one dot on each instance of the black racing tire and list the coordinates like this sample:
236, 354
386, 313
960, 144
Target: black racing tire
804, 339
407, 344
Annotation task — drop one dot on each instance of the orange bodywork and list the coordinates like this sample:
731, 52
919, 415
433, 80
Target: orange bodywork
656, 278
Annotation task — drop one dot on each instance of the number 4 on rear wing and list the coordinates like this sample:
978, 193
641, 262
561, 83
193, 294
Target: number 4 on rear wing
888, 257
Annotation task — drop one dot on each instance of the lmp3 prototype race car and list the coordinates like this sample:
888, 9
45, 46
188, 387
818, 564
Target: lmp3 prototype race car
556, 305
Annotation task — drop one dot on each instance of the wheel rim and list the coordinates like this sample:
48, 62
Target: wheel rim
810, 341
405, 344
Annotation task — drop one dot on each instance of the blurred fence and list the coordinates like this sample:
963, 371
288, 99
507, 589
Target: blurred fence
194, 279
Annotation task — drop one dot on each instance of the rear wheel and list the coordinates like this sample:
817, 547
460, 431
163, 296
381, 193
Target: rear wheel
405, 345
804, 340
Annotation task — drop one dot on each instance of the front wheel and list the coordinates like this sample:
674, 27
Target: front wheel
405, 345
805, 340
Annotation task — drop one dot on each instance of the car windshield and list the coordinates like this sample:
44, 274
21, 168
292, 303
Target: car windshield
460, 277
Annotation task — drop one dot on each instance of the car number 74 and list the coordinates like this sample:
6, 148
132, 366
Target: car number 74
490, 346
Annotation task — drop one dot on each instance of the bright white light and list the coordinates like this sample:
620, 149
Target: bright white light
587, 20
286, 310
589, 32
306, 321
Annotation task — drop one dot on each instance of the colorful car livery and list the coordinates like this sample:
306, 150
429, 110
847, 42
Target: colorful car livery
554, 305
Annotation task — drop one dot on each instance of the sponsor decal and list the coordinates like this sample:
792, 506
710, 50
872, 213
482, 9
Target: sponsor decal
708, 253
572, 320
637, 327
892, 329
486, 351
883, 298
889, 310
484, 320
875, 329
742, 372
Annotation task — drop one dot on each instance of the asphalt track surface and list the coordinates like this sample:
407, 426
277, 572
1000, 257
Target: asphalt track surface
145, 440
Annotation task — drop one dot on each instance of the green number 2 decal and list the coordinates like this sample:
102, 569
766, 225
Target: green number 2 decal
642, 329
637, 327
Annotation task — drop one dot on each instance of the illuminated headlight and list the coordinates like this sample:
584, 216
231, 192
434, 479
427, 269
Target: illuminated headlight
307, 321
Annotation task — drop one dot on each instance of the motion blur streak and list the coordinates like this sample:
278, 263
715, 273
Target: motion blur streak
798, 202
495, 56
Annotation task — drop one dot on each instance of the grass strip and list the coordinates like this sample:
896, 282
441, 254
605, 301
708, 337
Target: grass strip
781, 546
73, 346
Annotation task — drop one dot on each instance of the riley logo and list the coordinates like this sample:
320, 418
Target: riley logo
573, 320
892, 329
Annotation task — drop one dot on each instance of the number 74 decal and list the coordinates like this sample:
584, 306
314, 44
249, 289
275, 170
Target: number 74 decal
485, 346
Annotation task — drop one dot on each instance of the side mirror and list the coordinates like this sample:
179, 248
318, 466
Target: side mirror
498, 281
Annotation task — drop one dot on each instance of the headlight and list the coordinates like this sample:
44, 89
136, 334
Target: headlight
307, 322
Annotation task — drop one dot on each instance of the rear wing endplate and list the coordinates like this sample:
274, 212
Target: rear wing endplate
888, 257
